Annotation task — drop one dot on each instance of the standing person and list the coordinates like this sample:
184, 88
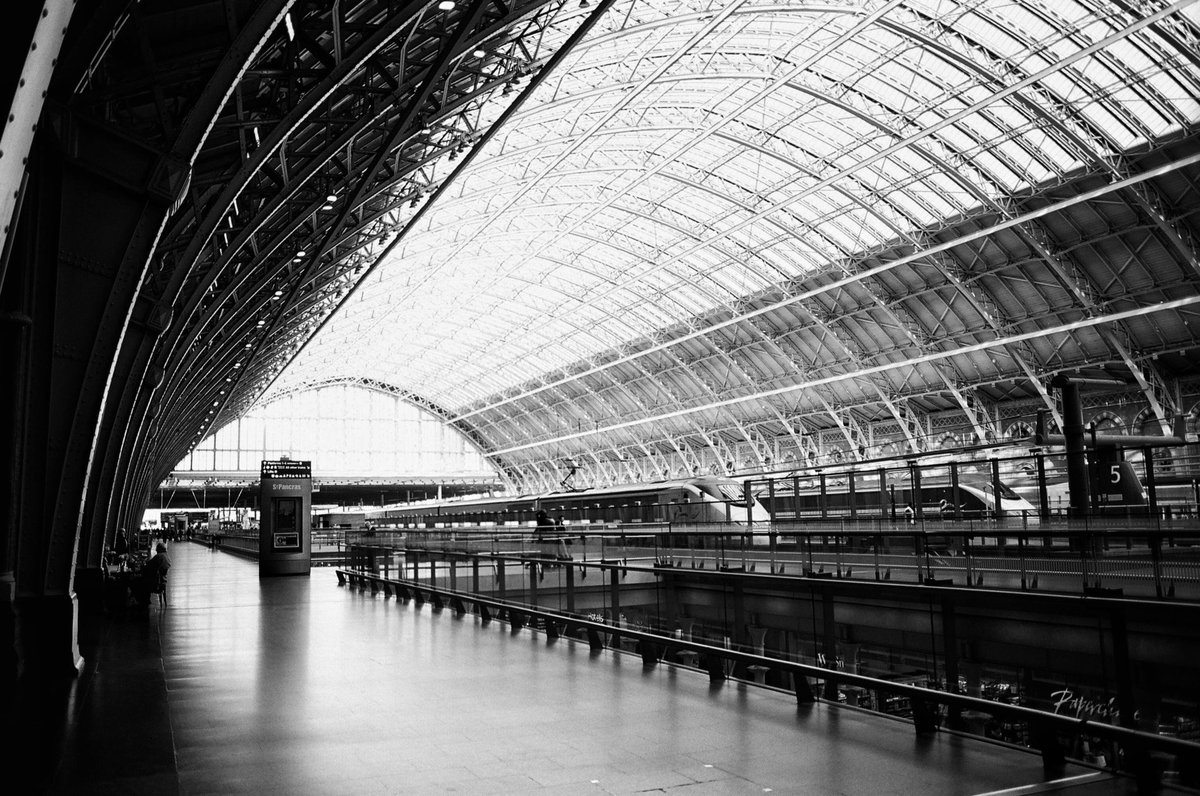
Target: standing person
121, 549
560, 525
544, 524
910, 516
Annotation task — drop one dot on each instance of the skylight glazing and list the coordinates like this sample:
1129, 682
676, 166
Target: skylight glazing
346, 430
689, 154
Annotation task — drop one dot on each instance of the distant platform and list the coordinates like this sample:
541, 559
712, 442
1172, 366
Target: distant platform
196, 490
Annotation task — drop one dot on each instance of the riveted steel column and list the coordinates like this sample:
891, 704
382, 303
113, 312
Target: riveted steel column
1077, 477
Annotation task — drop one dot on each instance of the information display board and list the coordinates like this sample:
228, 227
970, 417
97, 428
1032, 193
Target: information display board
285, 530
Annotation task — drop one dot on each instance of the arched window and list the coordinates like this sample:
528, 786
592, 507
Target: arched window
345, 430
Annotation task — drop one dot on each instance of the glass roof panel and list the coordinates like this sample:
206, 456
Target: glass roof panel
689, 154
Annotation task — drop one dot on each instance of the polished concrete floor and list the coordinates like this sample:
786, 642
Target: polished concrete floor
297, 685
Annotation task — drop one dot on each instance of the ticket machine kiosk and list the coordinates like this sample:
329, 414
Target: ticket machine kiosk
285, 530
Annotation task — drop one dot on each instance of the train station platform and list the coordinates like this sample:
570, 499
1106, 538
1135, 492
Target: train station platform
296, 685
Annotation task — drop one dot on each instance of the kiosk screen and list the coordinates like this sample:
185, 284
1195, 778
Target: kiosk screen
286, 529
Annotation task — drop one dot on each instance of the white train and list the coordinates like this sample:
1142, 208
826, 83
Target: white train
694, 501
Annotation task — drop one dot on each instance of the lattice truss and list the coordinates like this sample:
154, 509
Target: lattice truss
333, 125
727, 235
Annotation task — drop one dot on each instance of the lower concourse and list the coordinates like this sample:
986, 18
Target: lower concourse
296, 685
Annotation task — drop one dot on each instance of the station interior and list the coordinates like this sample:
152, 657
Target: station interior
600, 396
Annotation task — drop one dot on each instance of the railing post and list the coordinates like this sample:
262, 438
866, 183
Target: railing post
878, 544
923, 541
615, 581
1081, 543
738, 633
1122, 667
1054, 759
1156, 562
1021, 544
533, 584
950, 657
829, 643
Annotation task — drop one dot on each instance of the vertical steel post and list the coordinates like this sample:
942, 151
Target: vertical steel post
852, 488
829, 644
914, 480
615, 602
955, 495
950, 651
1151, 487
1043, 494
999, 511
824, 499
533, 584
887, 506
1077, 475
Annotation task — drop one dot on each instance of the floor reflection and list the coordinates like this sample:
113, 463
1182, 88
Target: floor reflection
296, 685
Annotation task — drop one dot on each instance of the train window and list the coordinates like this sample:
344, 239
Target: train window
1006, 493
734, 494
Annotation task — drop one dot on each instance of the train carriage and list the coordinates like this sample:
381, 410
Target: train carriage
697, 501
966, 501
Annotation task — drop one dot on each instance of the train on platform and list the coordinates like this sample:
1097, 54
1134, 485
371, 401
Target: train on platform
966, 501
715, 501
693, 501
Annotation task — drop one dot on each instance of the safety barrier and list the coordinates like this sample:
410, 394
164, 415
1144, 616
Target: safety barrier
1133, 562
1145, 755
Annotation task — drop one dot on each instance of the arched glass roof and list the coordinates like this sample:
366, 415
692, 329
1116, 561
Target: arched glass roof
689, 209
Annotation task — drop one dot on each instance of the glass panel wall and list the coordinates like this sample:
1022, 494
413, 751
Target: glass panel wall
345, 430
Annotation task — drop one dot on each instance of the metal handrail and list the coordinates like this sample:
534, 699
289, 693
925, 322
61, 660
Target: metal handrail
1075, 726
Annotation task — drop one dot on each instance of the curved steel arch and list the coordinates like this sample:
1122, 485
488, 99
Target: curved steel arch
686, 258
215, 252
884, 262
